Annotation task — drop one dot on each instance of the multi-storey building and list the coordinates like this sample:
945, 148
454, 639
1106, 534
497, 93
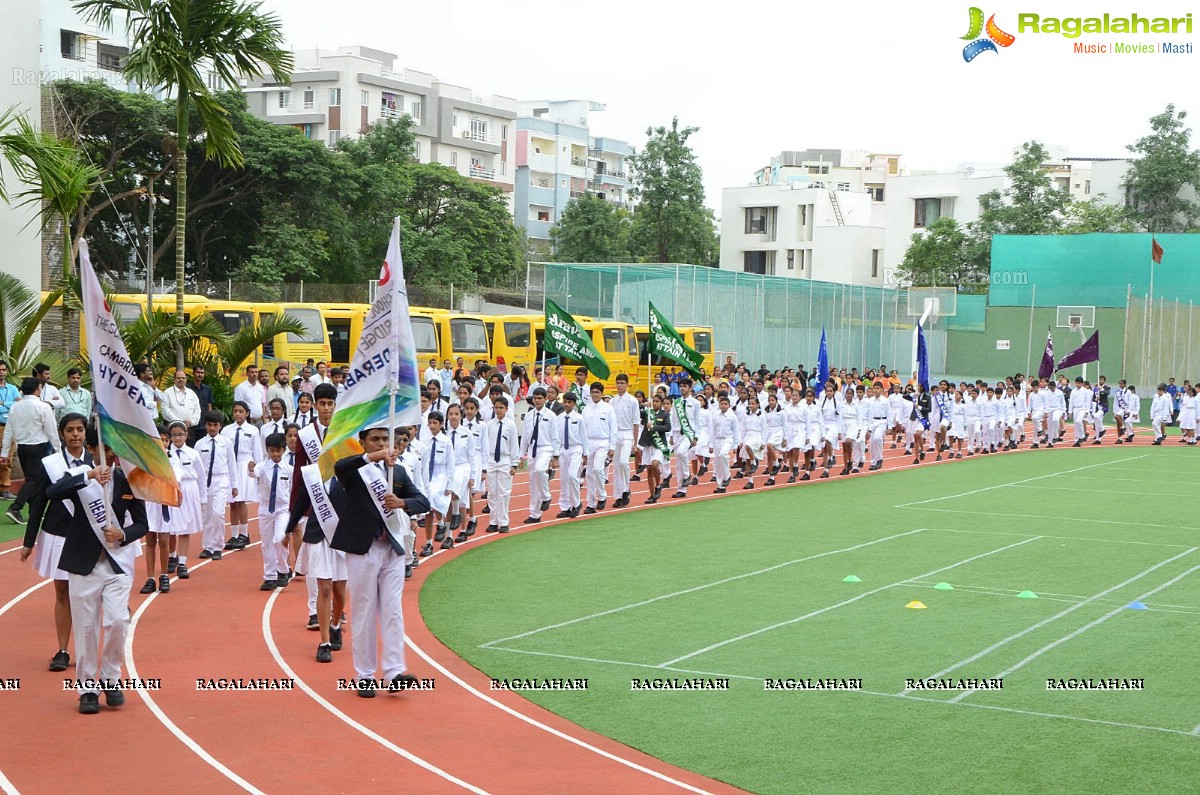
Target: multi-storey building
336, 94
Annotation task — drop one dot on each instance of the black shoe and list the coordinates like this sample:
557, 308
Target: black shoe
738, 476
402, 682
14, 516
164, 583
575, 512
588, 511
448, 542
181, 571
281, 580
634, 478
427, 550
922, 455
1157, 441
149, 587
503, 529
792, 478
324, 653
440, 533
60, 661
461, 537
89, 703
114, 698
408, 570
216, 555
243, 542
172, 564
205, 555
1129, 439
600, 505
455, 521
335, 638
719, 490
749, 485
653, 499
854, 471
893, 446
619, 502
486, 509
1050, 444
770, 482
365, 688
806, 476
532, 520
545, 505
679, 495
695, 481
313, 624
231, 544
1033, 446
269, 585
845, 470
825, 473
471, 525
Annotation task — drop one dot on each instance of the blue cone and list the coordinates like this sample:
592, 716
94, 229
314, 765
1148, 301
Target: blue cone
1137, 606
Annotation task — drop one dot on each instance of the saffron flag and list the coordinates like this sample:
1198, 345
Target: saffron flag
126, 422
385, 363
1156, 251
565, 337
922, 359
1046, 368
822, 363
1087, 352
665, 341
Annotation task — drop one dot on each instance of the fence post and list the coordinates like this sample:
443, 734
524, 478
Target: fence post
1125, 345
1029, 344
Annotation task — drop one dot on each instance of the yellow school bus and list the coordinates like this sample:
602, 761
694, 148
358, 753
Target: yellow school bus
312, 343
698, 338
345, 324
516, 339
457, 334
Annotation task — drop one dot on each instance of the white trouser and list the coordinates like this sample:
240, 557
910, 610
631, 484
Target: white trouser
1039, 424
498, 493
1053, 421
621, 462
539, 480
274, 554
878, 431
597, 490
99, 600
1081, 419
721, 450
376, 584
681, 461
1157, 424
568, 478
213, 513
1098, 422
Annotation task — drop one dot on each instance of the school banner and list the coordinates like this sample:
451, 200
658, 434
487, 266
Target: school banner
126, 422
565, 337
1046, 368
1087, 352
384, 363
666, 342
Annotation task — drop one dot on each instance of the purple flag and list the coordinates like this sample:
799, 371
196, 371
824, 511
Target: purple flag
1046, 368
1087, 352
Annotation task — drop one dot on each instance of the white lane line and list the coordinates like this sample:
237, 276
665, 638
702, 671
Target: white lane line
693, 589
179, 733
622, 662
1018, 482
851, 600
1080, 631
9, 551
1156, 607
1107, 490
1059, 519
1055, 617
8, 788
550, 729
1056, 538
269, 637
12, 602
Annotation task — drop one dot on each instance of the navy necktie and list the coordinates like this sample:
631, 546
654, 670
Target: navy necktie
433, 455
566, 431
537, 424
212, 459
166, 514
274, 486
237, 437
499, 438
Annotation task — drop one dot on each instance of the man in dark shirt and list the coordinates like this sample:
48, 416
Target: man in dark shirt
204, 394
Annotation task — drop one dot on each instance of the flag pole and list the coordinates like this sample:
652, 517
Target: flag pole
1149, 320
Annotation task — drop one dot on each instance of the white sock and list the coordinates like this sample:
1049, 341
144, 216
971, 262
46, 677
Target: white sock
182, 560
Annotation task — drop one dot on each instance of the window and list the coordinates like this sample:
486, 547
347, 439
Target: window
803, 258
453, 119
702, 342
926, 212
71, 44
478, 129
756, 220
309, 99
876, 194
417, 151
335, 97
314, 326
791, 259
214, 81
416, 112
334, 137
467, 335
424, 334
364, 98
111, 58
755, 262
875, 263
454, 158
233, 322
543, 215
285, 99
614, 340
1087, 187
503, 132
516, 335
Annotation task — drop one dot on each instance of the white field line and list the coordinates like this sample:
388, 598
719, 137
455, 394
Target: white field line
1059, 519
1056, 538
1080, 631
623, 662
1157, 607
695, 588
843, 603
1054, 617
1106, 490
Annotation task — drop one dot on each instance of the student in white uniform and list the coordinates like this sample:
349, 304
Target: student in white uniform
216, 455
1133, 412
958, 425
277, 421
187, 519
1080, 409
474, 429
974, 417
274, 479
899, 408
852, 432
1189, 408
1160, 413
794, 433
438, 464
753, 439
246, 442
813, 432
1056, 407
831, 426
305, 412
540, 447
570, 457
703, 449
774, 420
726, 430
939, 419
625, 407
464, 470
878, 412
501, 454
685, 419
600, 427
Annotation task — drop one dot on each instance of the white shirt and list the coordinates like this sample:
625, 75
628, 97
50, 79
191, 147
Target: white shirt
510, 449
547, 433
1160, 407
253, 395
265, 472
216, 456
30, 421
50, 395
626, 408
431, 374
181, 406
600, 423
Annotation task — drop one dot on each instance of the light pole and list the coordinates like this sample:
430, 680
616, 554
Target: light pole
149, 195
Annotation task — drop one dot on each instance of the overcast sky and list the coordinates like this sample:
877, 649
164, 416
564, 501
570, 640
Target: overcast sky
758, 78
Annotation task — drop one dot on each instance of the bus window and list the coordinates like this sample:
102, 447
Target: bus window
424, 334
614, 340
314, 328
703, 340
490, 325
467, 335
233, 322
339, 338
516, 335
125, 313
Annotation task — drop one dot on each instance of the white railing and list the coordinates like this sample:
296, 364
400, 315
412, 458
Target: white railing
482, 173
481, 137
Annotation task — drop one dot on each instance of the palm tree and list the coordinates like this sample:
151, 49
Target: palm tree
171, 43
21, 312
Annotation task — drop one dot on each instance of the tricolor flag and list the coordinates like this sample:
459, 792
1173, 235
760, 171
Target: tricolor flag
125, 423
1156, 251
1046, 368
385, 363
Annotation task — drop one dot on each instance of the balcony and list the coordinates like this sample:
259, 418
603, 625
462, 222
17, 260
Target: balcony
480, 172
478, 136
579, 161
610, 175
395, 113
578, 194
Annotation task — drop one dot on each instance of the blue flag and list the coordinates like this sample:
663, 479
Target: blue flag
822, 363
922, 359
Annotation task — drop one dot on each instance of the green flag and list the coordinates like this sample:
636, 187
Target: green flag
665, 341
565, 337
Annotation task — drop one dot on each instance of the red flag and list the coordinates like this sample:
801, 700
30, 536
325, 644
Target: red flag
1156, 251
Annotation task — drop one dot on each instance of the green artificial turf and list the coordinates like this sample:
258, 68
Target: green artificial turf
1066, 525
8, 530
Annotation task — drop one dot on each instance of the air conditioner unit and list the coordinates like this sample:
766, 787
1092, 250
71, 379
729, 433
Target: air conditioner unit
466, 133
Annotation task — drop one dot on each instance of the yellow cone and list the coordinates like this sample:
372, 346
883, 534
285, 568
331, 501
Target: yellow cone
915, 605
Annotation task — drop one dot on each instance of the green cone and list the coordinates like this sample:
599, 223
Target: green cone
851, 578
943, 586
1027, 595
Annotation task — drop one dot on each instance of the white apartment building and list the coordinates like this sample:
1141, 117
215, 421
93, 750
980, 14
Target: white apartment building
19, 36
342, 93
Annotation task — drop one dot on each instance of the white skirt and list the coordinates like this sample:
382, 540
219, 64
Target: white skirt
246, 485
48, 552
755, 445
321, 562
439, 500
775, 438
461, 480
186, 520
651, 455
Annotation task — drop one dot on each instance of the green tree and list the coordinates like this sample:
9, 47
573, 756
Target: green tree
591, 230
671, 223
942, 256
1097, 215
173, 42
1164, 164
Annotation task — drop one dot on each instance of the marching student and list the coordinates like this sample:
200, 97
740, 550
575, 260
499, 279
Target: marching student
654, 447
940, 418
502, 453
958, 424
831, 426
685, 417
464, 470
703, 449
278, 421
438, 464
753, 439
1161, 409
989, 419
220, 465
922, 405
794, 433
187, 519
1189, 407
273, 479
1080, 409
774, 420
570, 458
408, 458
246, 442
1013, 417
812, 433
1056, 407
899, 409
539, 446
973, 411
1133, 412
1121, 409
375, 558
100, 572
1101, 394
853, 419
474, 431
1037, 412
625, 407
600, 426
48, 540
30, 432
726, 430
158, 540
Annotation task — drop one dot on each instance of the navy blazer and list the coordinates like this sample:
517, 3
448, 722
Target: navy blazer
56, 518
358, 518
82, 549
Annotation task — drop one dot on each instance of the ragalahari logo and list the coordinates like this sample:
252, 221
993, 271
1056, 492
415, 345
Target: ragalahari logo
995, 36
